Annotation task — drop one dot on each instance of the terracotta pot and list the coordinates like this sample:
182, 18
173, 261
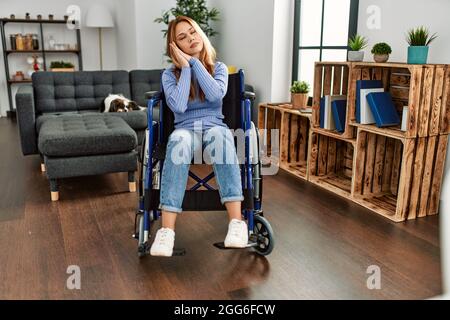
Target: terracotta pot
380, 58
299, 100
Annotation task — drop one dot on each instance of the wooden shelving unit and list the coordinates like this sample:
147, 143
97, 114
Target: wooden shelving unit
293, 137
330, 78
399, 178
42, 51
423, 88
331, 163
397, 174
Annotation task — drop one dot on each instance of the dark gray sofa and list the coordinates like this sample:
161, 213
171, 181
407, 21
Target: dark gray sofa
59, 119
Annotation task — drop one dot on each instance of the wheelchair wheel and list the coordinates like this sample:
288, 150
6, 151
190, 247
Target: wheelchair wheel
140, 224
264, 235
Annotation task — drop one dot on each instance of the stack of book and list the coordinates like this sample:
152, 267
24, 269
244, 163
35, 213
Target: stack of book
333, 110
373, 105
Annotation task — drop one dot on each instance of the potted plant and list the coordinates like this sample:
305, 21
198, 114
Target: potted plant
356, 44
299, 94
419, 40
381, 52
61, 66
195, 9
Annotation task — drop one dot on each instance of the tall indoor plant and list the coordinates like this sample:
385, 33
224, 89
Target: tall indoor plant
419, 40
195, 9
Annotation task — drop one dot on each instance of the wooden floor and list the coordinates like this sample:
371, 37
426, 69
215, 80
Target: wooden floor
324, 244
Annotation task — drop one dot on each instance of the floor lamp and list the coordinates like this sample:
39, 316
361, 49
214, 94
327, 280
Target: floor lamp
98, 16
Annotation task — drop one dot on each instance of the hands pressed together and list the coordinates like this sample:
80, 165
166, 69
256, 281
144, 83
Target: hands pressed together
180, 56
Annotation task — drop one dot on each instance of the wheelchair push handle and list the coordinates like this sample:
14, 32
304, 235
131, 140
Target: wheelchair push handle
249, 95
156, 95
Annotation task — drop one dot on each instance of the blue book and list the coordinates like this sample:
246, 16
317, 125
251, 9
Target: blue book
383, 109
364, 84
339, 108
322, 112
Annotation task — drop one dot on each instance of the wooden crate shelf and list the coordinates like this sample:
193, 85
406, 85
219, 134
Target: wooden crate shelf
269, 118
330, 78
331, 163
387, 131
425, 89
298, 169
294, 136
294, 143
333, 134
397, 174
398, 178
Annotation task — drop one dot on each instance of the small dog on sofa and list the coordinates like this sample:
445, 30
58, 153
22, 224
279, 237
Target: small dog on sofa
118, 103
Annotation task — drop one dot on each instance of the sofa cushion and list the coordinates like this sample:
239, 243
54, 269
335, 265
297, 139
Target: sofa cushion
142, 81
137, 120
75, 91
85, 134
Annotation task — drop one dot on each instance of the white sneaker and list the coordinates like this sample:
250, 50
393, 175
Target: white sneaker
237, 236
163, 244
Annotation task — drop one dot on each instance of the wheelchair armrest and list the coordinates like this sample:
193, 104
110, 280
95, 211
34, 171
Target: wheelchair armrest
153, 94
249, 95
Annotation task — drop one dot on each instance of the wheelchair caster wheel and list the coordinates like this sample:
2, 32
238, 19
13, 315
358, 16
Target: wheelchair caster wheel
143, 250
264, 235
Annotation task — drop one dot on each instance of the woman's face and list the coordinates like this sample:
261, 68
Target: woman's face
187, 39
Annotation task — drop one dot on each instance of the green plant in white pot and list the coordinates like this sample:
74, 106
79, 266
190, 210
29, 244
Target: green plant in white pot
381, 52
356, 44
419, 40
299, 94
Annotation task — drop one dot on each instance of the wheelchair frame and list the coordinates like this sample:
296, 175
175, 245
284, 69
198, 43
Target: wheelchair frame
260, 231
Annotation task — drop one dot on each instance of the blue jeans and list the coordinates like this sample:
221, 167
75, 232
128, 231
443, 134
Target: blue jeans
217, 146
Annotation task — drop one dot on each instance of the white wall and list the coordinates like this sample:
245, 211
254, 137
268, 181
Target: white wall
150, 41
401, 15
126, 34
89, 37
283, 35
246, 40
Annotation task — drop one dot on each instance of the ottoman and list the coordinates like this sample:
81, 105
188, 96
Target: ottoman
87, 144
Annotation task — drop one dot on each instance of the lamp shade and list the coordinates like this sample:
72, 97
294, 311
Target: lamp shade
99, 16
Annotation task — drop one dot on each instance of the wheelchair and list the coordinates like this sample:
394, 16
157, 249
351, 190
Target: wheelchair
237, 112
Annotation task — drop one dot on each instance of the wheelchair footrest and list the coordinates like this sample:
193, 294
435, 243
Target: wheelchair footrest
221, 245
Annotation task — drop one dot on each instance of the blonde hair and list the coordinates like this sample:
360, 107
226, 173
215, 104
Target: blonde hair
207, 55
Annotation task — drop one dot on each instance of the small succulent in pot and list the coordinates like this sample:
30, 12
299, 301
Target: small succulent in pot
299, 94
381, 52
356, 44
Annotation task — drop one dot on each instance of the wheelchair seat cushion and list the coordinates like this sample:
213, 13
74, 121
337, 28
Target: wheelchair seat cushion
85, 134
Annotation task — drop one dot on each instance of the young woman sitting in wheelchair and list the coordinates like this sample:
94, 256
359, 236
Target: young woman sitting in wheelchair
194, 87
